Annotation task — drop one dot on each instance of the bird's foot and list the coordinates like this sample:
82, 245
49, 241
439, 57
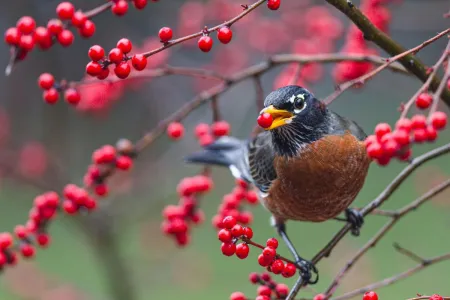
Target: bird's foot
355, 218
307, 269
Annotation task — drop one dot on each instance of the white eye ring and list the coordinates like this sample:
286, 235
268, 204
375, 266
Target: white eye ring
297, 110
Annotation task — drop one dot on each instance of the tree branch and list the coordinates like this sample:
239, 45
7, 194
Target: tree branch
382, 40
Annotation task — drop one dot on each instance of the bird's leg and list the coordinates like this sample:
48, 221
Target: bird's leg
306, 267
355, 218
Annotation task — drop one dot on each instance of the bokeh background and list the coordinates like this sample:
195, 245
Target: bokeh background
119, 252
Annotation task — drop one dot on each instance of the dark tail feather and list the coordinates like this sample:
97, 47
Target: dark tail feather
227, 152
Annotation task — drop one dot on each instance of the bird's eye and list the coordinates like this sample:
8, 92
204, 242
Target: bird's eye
299, 104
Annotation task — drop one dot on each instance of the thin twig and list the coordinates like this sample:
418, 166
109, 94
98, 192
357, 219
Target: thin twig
442, 86
393, 279
362, 79
382, 232
410, 254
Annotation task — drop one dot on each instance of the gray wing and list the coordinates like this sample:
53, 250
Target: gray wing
340, 125
260, 160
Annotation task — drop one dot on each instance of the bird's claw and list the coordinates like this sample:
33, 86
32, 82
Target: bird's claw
356, 219
306, 270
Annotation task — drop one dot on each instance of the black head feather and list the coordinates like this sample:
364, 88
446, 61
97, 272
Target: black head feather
309, 123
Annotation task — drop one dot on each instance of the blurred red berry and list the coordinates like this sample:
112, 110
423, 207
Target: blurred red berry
65, 10
96, 53
282, 290
224, 34
238, 296
51, 96
371, 295
120, 7
418, 121
46, 81
220, 128
404, 124
175, 130
273, 4
26, 25
431, 133
165, 34
205, 140
139, 62
264, 290
124, 162
438, 120
201, 130
12, 36
424, 100
26, 42
43, 239
72, 96
436, 297
43, 38
319, 297
27, 250
381, 129
229, 222
140, 4
205, 43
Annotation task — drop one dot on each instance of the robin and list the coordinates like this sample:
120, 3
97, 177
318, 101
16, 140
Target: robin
309, 164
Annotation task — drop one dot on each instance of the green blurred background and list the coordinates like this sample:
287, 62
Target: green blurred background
119, 252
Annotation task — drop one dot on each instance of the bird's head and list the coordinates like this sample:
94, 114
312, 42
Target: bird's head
294, 106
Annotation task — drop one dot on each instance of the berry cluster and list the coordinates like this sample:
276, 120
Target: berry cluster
387, 143
433, 297
205, 133
52, 90
232, 205
177, 218
105, 160
378, 13
120, 7
267, 288
232, 232
99, 66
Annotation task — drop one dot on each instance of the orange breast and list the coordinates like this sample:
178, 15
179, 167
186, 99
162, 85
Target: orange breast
321, 182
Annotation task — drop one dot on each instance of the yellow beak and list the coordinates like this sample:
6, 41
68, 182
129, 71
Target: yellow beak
280, 116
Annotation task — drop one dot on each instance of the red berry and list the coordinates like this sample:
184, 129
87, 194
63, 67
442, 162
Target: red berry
229, 222
264, 290
225, 235
242, 250
375, 150
120, 8
43, 239
65, 10
265, 120
277, 266
254, 278
436, 297
20, 231
418, 121
101, 189
27, 250
262, 297
228, 249
26, 25
124, 162
26, 42
273, 4
272, 243
165, 34
96, 53
78, 19
404, 124
289, 270
438, 120
6, 240
205, 43
116, 55
401, 137
405, 155
70, 207
12, 36
55, 26
269, 252
220, 128
65, 38
46, 81
420, 135
370, 296
140, 4
104, 73
122, 70
282, 290
175, 130
201, 130
125, 45
93, 68
237, 230
72, 96
264, 261
87, 29
51, 96
319, 297
224, 34
424, 100
248, 232
206, 140
43, 38
431, 133
381, 129
252, 197
139, 62
238, 296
